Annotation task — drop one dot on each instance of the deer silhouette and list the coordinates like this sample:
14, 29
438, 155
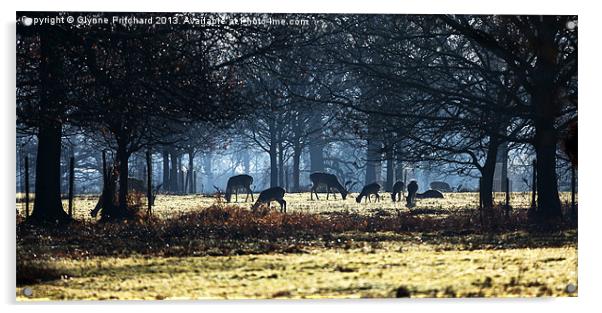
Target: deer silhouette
429, 194
235, 183
328, 180
269, 195
411, 198
398, 189
441, 186
367, 191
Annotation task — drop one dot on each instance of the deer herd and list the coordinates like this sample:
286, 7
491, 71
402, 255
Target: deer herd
242, 183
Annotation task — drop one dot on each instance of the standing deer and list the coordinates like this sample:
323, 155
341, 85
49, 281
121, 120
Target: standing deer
269, 195
397, 192
367, 191
330, 181
235, 183
411, 198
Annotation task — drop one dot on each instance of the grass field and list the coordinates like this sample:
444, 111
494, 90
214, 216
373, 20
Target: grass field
198, 248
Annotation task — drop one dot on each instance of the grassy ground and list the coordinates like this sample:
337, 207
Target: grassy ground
195, 249
167, 206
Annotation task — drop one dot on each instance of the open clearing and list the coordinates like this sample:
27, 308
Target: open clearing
306, 263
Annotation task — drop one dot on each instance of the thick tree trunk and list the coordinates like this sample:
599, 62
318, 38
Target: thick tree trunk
48, 206
546, 107
548, 200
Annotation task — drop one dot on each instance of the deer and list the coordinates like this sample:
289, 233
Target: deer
411, 198
397, 192
441, 186
367, 191
235, 183
429, 194
330, 181
269, 195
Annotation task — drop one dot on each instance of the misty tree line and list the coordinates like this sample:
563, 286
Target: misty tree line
348, 94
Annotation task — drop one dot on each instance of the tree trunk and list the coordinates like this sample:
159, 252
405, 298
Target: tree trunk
48, 206
390, 170
180, 175
316, 144
190, 170
373, 161
123, 158
487, 175
546, 107
273, 165
207, 165
296, 168
173, 177
166, 184
548, 200
281, 172
373, 152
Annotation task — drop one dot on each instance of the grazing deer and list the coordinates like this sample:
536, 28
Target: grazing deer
330, 181
367, 191
411, 198
397, 192
235, 183
441, 186
429, 194
269, 195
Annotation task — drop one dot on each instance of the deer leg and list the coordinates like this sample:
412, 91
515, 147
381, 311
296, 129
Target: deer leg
327, 192
236, 195
282, 205
314, 191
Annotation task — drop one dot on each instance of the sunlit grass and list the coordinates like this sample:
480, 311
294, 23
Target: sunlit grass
172, 205
371, 271
231, 261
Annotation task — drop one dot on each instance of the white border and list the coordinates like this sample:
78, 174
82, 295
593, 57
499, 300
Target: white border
589, 121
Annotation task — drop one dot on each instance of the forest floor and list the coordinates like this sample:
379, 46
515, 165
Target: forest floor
197, 247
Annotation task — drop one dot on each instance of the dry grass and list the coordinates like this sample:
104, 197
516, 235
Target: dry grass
172, 205
373, 270
197, 247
